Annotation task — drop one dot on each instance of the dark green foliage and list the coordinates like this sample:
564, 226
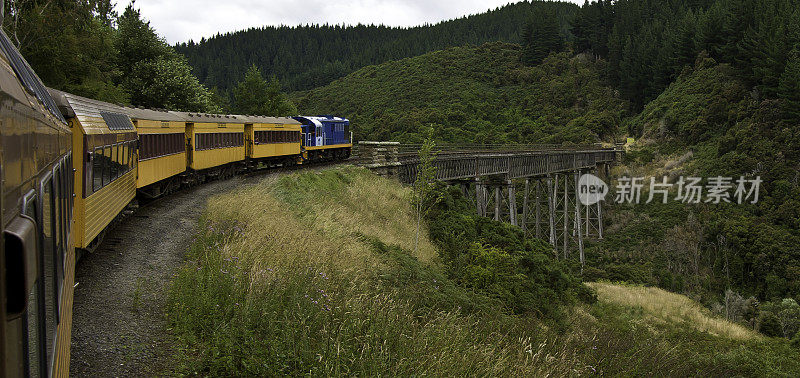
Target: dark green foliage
75, 47
769, 325
153, 74
254, 95
796, 341
68, 44
648, 43
540, 37
475, 95
306, 57
426, 286
789, 88
495, 258
748, 247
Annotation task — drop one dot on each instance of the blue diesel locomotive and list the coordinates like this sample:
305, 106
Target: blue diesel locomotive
325, 137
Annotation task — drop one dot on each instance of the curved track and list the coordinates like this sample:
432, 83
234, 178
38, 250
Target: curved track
119, 326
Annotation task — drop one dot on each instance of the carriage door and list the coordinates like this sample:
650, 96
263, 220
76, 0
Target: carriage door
189, 144
319, 134
248, 140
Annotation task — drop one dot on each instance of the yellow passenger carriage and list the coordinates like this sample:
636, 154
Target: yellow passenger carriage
271, 140
37, 268
162, 150
214, 144
105, 162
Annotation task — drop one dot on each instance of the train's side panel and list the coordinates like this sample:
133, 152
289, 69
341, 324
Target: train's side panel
155, 170
162, 152
103, 206
268, 142
36, 271
213, 145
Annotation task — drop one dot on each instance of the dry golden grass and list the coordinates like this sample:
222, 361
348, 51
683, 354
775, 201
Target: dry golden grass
284, 241
377, 207
323, 233
369, 205
664, 306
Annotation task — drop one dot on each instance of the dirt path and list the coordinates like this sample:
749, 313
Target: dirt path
119, 327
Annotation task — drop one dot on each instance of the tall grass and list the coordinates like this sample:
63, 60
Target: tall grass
312, 274
666, 306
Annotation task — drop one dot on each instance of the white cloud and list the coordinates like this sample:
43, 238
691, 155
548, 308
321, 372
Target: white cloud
181, 20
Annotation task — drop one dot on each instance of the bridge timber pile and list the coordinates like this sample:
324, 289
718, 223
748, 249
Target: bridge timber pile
493, 176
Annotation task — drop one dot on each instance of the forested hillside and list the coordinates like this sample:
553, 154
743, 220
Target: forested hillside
648, 43
475, 95
305, 57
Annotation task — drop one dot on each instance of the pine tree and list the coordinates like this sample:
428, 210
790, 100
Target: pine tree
254, 95
540, 38
789, 88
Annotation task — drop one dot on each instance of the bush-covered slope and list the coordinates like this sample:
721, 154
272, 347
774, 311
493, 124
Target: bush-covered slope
474, 94
282, 280
708, 124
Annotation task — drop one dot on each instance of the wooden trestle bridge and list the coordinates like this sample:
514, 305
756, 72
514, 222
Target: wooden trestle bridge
498, 179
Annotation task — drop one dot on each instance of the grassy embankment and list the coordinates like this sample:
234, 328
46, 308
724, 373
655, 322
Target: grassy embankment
314, 273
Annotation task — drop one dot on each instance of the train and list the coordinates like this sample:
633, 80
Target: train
73, 166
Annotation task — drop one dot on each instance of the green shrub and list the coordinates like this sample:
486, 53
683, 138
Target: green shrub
497, 259
769, 324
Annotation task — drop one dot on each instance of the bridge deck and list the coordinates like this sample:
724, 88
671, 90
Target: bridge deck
506, 165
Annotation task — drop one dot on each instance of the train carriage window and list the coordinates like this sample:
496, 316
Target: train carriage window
132, 153
47, 262
57, 207
97, 170
107, 156
32, 320
118, 160
113, 164
62, 224
143, 144
124, 157
123, 160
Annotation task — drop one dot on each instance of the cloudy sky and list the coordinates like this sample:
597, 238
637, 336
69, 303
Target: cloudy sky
181, 20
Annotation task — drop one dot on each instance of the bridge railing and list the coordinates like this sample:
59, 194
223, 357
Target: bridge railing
504, 161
